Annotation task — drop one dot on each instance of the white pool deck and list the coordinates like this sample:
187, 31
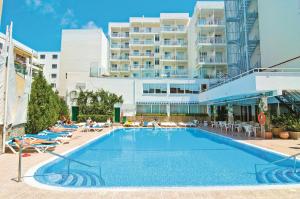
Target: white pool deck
11, 189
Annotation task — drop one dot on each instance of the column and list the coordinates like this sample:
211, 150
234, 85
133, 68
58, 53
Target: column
230, 113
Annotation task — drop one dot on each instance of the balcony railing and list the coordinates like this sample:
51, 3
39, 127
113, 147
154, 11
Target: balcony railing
205, 22
143, 67
174, 72
174, 58
212, 59
120, 69
142, 54
142, 42
120, 57
174, 43
211, 40
119, 46
120, 35
144, 30
173, 28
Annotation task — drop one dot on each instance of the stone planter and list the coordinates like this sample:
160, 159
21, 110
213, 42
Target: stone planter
276, 131
295, 135
268, 135
284, 135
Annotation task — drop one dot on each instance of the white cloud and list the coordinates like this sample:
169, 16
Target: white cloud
90, 25
68, 19
33, 3
48, 9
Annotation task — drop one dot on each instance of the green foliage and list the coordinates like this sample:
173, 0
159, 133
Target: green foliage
97, 103
98, 118
289, 122
44, 107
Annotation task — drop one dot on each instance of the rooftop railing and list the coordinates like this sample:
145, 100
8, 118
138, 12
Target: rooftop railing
258, 70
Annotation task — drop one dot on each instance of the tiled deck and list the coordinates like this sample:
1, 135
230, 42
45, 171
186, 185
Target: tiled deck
12, 189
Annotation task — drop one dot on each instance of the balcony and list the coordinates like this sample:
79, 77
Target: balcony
143, 67
119, 46
174, 58
117, 57
120, 69
211, 60
180, 43
141, 42
120, 35
144, 30
211, 22
174, 73
173, 29
141, 54
211, 40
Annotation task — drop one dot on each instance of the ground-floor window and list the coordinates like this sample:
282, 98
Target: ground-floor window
151, 109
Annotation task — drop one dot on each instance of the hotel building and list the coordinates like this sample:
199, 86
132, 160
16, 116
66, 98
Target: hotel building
207, 41
50, 62
150, 47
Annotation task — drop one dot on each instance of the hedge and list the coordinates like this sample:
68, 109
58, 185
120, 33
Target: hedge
97, 118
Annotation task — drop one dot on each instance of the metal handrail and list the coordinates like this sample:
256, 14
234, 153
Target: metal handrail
78, 162
254, 70
281, 160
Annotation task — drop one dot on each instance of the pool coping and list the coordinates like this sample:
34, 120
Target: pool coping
31, 181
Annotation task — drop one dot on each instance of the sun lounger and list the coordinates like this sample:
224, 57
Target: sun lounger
168, 124
38, 147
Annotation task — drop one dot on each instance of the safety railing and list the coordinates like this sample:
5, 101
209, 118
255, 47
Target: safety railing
257, 70
78, 162
294, 157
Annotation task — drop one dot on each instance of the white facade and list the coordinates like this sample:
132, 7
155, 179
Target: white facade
207, 41
150, 47
83, 51
51, 64
138, 92
279, 30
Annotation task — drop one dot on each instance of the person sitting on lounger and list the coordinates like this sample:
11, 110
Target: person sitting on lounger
28, 141
55, 129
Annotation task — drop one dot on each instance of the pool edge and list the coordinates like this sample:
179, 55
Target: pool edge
31, 181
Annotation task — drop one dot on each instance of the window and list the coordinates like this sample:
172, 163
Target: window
154, 88
53, 75
151, 108
148, 29
136, 29
156, 37
184, 89
179, 108
203, 87
55, 56
156, 50
135, 64
42, 56
156, 61
53, 85
54, 66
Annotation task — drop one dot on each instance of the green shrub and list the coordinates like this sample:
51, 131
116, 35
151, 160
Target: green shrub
45, 106
97, 118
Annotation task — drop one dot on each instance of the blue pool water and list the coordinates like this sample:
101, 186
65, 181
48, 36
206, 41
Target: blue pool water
167, 157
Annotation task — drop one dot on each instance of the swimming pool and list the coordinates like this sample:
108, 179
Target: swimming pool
166, 158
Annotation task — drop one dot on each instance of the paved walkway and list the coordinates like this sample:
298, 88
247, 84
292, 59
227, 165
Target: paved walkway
11, 189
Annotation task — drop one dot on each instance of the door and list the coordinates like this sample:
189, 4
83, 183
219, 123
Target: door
75, 112
117, 114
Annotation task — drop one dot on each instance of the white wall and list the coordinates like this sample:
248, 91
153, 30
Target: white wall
81, 49
47, 66
279, 23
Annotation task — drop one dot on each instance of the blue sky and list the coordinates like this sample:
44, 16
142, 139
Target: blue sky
38, 23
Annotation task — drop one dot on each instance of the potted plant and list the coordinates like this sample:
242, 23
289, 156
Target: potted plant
278, 124
268, 133
295, 129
